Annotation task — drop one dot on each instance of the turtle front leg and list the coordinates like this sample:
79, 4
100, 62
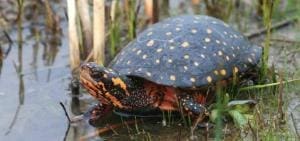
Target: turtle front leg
190, 105
97, 112
94, 113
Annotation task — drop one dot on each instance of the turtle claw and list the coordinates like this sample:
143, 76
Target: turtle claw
93, 115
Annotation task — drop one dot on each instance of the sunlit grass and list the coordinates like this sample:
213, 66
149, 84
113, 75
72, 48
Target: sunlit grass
114, 28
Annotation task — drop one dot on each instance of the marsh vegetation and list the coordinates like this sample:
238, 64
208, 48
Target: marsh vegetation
43, 42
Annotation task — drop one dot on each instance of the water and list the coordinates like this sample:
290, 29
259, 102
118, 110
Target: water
35, 80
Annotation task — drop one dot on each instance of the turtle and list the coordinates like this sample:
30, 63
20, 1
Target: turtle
171, 66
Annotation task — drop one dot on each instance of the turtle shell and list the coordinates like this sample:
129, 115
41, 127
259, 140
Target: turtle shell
187, 51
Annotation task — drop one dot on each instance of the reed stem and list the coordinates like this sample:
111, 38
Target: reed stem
99, 31
86, 24
73, 36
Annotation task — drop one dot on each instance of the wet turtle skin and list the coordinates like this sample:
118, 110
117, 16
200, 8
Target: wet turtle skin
187, 51
169, 66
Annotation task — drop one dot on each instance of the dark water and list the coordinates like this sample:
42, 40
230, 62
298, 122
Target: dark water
36, 78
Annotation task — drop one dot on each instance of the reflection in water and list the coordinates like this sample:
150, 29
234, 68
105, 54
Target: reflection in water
1, 59
75, 102
19, 66
36, 35
34, 59
20, 53
3, 53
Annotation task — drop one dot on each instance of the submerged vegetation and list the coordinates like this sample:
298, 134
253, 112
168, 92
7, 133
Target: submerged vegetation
98, 30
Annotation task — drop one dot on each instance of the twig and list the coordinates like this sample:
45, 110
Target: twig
8, 37
278, 25
252, 130
294, 123
199, 119
285, 40
67, 132
66, 113
207, 132
69, 120
268, 85
280, 103
10, 43
137, 10
14, 120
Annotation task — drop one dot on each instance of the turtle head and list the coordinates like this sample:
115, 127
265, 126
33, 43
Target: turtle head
102, 82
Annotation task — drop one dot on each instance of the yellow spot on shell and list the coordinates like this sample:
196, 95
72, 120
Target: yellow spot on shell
172, 47
172, 77
177, 29
216, 72
207, 40
157, 61
186, 56
150, 43
220, 53
192, 79
148, 74
128, 62
235, 69
217, 41
208, 31
144, 56
138, 52
209, 79
194, 31
250, 60
171, 41
202, 55
185, 44
159, 50
170, 60
185, 67
150, 33
223, 72
227, 58
169, 33
196, 63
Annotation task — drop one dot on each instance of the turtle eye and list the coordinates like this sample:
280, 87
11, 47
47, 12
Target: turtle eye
96, 76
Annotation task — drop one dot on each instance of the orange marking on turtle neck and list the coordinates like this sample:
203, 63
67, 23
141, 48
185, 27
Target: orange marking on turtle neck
118, 81
114, 100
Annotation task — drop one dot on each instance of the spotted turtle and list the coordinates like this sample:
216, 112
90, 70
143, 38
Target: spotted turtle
171, 65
